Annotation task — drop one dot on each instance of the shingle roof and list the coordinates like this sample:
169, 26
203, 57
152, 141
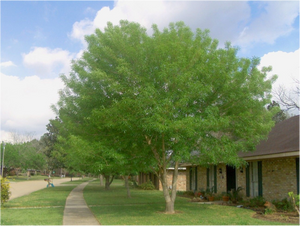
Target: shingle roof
283, 138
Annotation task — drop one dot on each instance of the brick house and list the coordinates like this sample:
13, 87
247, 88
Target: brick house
181, 180
272, 170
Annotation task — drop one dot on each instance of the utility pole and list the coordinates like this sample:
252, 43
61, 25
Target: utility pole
2, 162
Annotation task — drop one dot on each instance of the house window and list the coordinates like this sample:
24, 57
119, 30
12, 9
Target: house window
254, 179
193, 178
212, 177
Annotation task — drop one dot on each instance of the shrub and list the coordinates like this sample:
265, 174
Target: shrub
295, 201
258, 201
284, 204
147, 186
185, 193
235, 195
269, 211
133, 184
5, 193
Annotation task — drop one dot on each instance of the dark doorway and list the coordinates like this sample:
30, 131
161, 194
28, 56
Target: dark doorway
230, 175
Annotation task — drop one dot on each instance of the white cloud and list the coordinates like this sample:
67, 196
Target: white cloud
89, 10
285, 65
275, 20
7, 64
25, 103
46, 62
196, 14
227, 20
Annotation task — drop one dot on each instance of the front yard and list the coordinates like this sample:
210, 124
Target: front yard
146, 208
45, 207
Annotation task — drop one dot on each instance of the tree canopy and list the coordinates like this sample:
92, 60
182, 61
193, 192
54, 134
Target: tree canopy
165, 95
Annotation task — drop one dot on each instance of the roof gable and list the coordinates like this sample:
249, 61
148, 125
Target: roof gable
283, 138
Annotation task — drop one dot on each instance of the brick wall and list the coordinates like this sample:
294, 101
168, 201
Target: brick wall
241, 180
202, 178
221, 179
181, 180
279, 177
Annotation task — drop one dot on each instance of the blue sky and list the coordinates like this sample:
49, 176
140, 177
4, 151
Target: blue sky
39, 39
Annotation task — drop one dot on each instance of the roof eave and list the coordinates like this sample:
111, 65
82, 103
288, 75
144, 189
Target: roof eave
271, 156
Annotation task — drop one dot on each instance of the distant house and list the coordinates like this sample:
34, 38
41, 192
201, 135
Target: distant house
181, 180
272, 170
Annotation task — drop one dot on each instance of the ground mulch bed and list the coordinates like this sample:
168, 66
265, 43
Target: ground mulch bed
259, 213
278, 216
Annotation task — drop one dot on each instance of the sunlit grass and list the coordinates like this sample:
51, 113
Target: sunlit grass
78, 181
147, 208
52, 196
25, 178
44, 216
43, 207
46, 206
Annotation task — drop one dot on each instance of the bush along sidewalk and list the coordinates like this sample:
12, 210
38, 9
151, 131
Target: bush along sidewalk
5, 192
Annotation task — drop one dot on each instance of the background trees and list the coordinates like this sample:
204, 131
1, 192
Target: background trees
161, 97
289, 99
27, 155
48, 142
281, 115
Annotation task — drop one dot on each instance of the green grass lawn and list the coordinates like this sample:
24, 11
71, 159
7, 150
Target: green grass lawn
24, 178
147, 208
52, 196
78, 181
46, 207
43, 207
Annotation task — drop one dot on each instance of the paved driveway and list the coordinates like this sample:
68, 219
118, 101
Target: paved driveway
26, 187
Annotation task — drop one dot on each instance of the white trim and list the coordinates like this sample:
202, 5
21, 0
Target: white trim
179, 168
280, 155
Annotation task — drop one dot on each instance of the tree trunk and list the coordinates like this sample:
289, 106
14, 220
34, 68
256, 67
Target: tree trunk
101, 179
127, 187
108, 181
170, 200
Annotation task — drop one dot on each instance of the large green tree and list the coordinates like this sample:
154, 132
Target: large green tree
164, 96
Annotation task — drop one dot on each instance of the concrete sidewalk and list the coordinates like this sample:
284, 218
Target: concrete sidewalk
76, 210
19, 189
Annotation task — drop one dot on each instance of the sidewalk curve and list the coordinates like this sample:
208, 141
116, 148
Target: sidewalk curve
76, 210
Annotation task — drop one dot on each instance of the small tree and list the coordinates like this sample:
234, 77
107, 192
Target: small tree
5, 192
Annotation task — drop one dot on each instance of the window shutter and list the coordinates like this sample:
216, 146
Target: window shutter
215, 179
260, 187
247, 180
196, 179
207, 177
